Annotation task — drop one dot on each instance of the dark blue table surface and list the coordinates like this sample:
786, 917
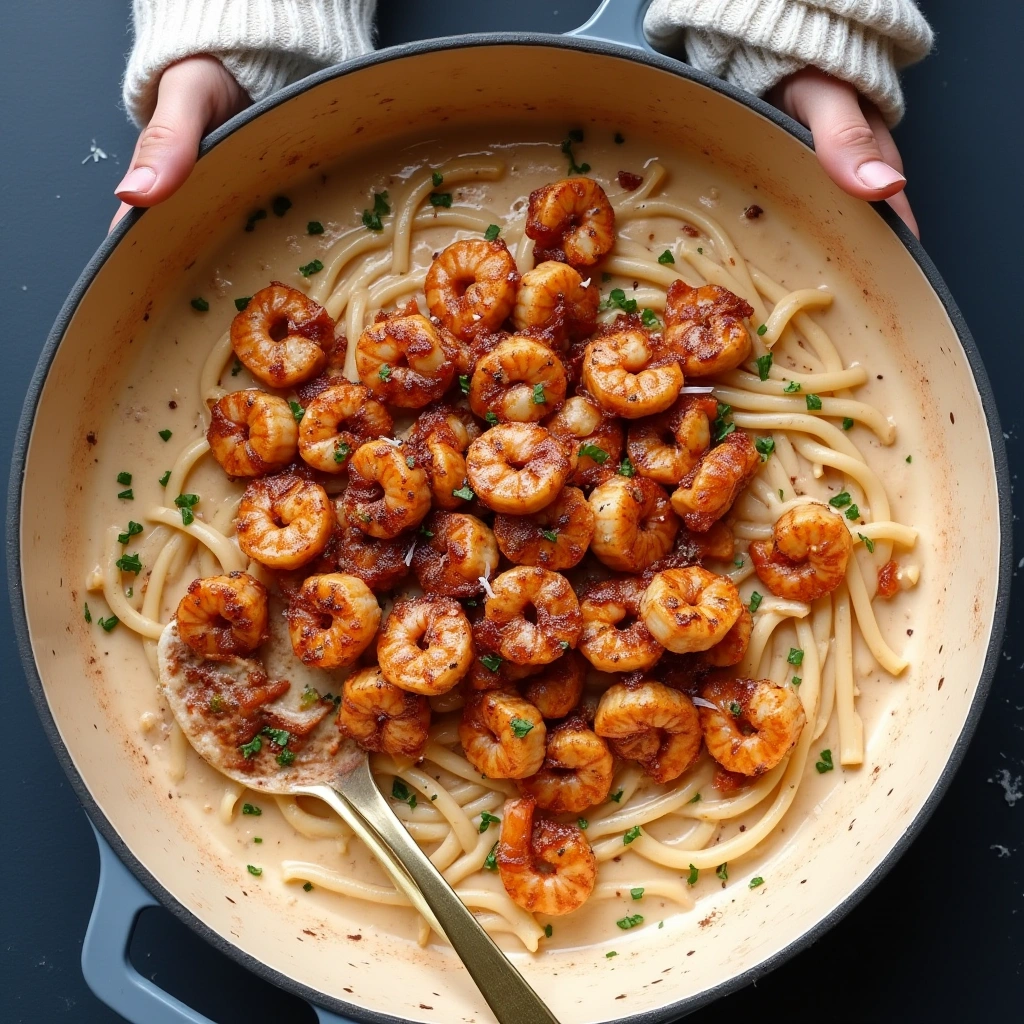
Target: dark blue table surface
940, 939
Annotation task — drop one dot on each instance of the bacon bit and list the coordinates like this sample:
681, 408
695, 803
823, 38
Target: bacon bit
729, 782
753, 212
690, 232
888, 579
629, 181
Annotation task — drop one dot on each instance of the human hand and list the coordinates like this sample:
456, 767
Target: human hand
850, 137
195, 95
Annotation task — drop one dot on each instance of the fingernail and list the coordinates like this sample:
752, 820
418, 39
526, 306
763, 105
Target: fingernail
137, 181
878, 174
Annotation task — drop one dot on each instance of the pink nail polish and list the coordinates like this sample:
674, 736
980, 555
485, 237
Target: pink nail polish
137, 181
877, 174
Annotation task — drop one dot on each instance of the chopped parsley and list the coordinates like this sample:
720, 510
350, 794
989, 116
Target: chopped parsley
764, 364
257, 839
650, 319
762, 331
840, 500
252, 809
722, 871
548, 931
310, 696
186, 502
848, 423
307, 886
200, 304
630, 835
549, 535
738, 562
129, 563
310, 268
695, 799
437, 178
626, 468
166, 435
564, 644
616, 796
108, 624
700, 250
372, 218
487, 820
492, 418
694, 874
520, 727
910, 458
297, 411
278, 736
464, 383
538, 395
755, 601
250, 223
796, 681
252, 748
735, 709
617, 298
637, 893
285, 758
465, 492
126, 495
574, 168
236, 367
400, 792
852, 513
280, 205
133, 529
610, 954
426, 533
342, 450
314, 227
756, 881
240, 305
625, 923
764, 446
492, 232
88, 614
124, 479
440, 199
722, 426
492, 662
384, 372
491, 861
595, 452
795, 656
253, 870
825, 764
216, 704
666, 257
165, 478
792, 387
868, 543
582, 824
813, 403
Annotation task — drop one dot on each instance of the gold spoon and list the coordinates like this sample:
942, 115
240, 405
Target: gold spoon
207, 699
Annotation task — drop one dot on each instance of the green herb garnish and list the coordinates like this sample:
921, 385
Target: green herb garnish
549, 535
582, 823
129, 563
762, 331
253, 870
637, 893
252, 748
593, 451
126, 495
384, 372
723, 426
400, 792
124, 479
88, 614
491, 861
251, 809
538, 395
574, 168
166, 435
342, 450
792, 387
314, 227
813, 403
650, 319
437, 178
626, 468
520, 727
795, 656
165, 478
492, 232
280, 205
756, 881
307, 886
492, 662
693, 876
616, 796
825, 764
133, 530
847, 423
372, 218
630, 835
487, 820
108, 624
755, 601
852, 513
666, 257
764, 364
465, 492
868, 543
764, 447
840, 500
722, 871
310, 268
200, 304
440, 199
297, 411
625, 923
464, 383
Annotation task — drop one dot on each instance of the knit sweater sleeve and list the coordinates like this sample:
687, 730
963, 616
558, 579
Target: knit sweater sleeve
755, 43
264, 44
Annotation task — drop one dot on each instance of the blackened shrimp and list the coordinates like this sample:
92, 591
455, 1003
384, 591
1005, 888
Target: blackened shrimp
707, 492
252, 433
336, 422
332, 619
222, 617
553, 297
705, 326
595, 436
572, 221
556, 537
379, 716
520, 380
282, 337
615, 638
502, 735
731, 648
628, 374
453, 552
634, 524
690, 609
385, 495
556, 689
666, 447
577, 770
380, 563
284, 521
437, 443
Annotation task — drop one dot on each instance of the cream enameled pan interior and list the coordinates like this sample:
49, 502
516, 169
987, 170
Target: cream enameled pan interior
814, 867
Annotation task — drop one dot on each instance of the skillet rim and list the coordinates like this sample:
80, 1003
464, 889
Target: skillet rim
603, 48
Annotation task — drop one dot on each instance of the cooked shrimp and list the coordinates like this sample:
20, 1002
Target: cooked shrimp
332, 619
690, 609
556, 537
517, 468
652, 724
577, 770
556, 689
252, 433
593, 434
452, 554
379, 563
282, 337
336, 422
546, 867
502, 735
666, 447
520, 380
615, 638
222, 617
571, 221
532, 618
402, 359
504, 677
628, 375
381, 717
284, 521
439, 439
385, 495
754, 725
554, 298
807, 554
426, 645
634, 525
707, 492
731, 648
705, 326
471, 286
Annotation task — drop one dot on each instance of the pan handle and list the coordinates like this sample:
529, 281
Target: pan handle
617, 21
120, 898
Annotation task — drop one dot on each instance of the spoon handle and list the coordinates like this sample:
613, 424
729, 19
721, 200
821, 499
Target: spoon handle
357, 799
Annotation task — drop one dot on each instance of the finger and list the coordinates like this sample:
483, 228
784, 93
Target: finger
891, 155
121, 211
844, 141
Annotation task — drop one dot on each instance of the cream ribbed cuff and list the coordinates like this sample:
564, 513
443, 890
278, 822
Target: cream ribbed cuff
755, 43
264, 44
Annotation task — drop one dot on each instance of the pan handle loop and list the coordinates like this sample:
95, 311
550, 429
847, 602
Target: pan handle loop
120, 898
617, 21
